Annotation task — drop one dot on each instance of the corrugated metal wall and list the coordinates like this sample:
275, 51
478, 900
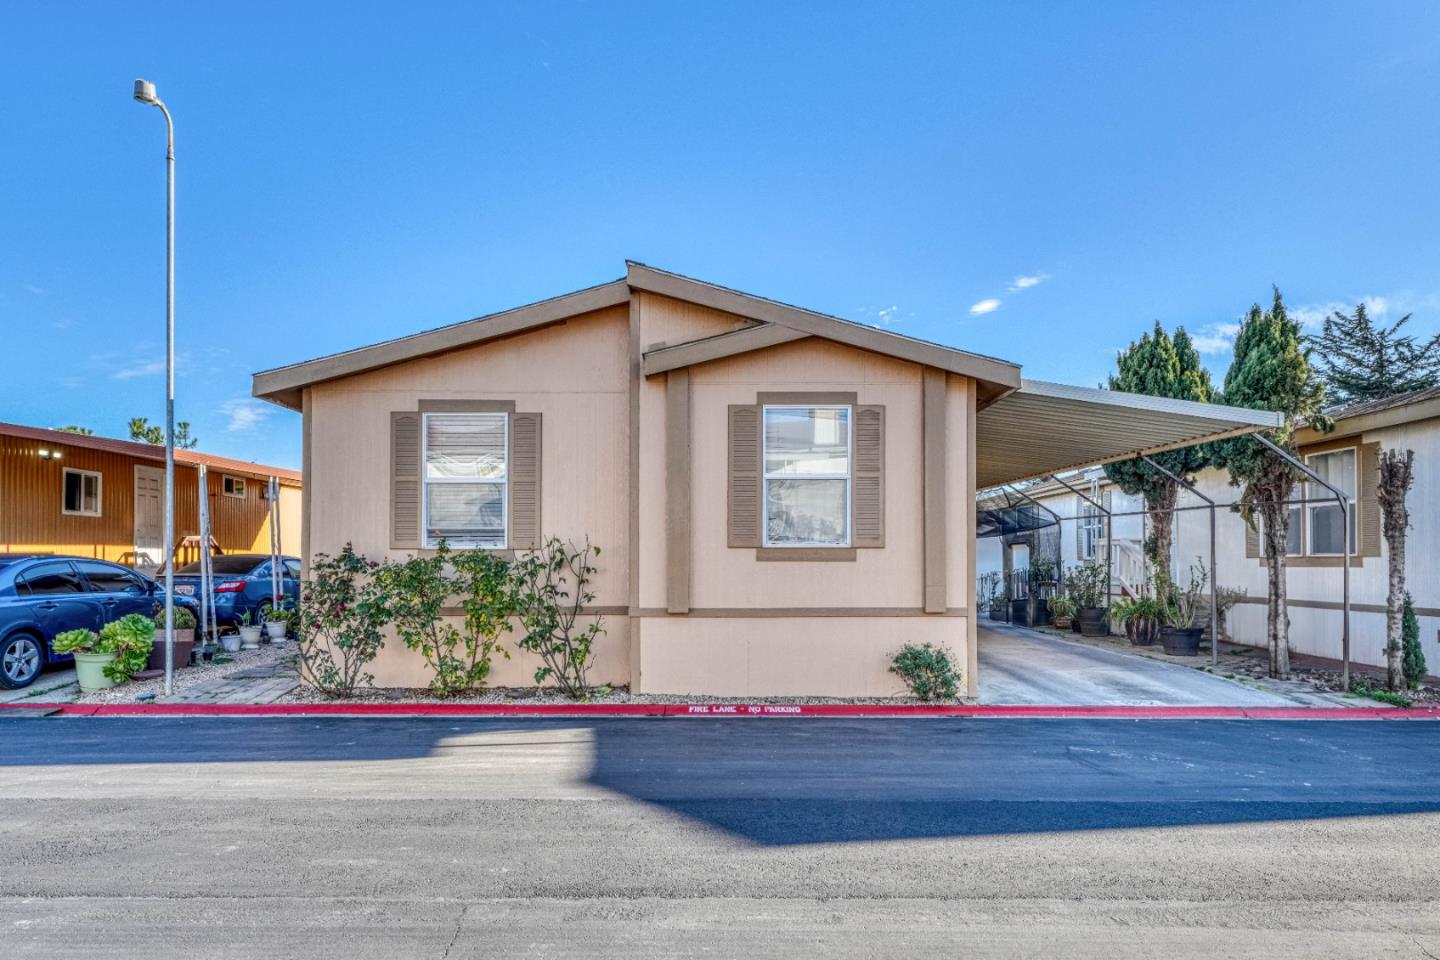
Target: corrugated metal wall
30, 505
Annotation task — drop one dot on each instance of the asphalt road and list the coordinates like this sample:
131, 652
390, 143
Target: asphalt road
387, 838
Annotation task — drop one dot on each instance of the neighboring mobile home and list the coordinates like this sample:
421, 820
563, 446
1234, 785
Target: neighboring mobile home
1348, 456
783, 498
88, 496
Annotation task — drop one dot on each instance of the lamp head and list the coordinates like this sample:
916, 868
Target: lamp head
145, 93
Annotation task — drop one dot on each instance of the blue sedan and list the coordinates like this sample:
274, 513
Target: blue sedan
242, 585
41, 596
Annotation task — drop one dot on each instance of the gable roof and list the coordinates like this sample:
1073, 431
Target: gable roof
775, 323
1357, 418
147, 451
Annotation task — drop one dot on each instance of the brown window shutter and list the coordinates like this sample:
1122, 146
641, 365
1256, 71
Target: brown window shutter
1367, 499
867, 483
743, 499
405, 479
1079, 526
524, 473
1252, 541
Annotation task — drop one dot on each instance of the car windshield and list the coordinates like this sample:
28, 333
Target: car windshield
231, 565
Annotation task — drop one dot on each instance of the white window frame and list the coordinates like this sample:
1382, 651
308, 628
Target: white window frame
1091, 527
238, 486
1352, 534
425, 481
1297, 523
99, 492
849, 478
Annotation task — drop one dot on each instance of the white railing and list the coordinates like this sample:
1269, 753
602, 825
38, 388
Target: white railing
1130, 573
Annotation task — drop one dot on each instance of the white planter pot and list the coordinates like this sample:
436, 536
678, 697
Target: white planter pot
276, 631
230, 642
249, 638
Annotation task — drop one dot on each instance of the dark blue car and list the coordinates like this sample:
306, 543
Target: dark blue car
41, 596
242, 585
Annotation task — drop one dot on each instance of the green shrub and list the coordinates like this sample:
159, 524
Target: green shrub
130, 639
416, 591
341, 615
551, 587
1361, 687
1086, 585
928, 671
1062, 607
1414, 653
184, 619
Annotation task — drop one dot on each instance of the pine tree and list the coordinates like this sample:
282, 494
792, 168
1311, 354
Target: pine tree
1270, 371
80, 431
1415, 668
142, 430
1359, 361
1159, 365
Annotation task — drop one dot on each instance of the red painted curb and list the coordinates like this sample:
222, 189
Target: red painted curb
727, 710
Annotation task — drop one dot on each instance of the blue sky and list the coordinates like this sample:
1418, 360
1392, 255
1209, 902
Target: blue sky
353, 174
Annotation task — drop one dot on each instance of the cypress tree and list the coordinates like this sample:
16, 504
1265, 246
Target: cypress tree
1159, 365
1270, 371
1359, 361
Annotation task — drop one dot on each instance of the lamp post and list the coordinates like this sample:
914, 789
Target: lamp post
145, 93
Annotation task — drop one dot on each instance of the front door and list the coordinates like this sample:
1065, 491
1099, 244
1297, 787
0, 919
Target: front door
149, 519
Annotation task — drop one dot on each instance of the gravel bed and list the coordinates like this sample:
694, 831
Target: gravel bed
188, 678
545, 696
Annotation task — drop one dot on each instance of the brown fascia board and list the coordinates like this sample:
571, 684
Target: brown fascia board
718, 347
997, 377
283, 385
1356, 425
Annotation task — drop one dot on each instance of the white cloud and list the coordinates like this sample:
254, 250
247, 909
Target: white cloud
142, 368
1311, 316
985, 306
1216, 338
38, 291
245, 413
887, 315
1026, 282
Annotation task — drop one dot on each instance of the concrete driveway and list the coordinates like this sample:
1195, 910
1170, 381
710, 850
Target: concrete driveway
1026, 666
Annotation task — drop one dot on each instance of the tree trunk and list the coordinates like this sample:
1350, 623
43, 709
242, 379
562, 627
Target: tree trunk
1276, 530
1161, 507
1396, 475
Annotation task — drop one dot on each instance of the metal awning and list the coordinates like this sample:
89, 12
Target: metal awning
1046, 428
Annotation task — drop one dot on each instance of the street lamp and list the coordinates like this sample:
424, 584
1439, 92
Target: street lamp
145, 93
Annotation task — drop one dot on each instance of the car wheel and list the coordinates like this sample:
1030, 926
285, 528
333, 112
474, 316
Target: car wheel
21, 657
262, 612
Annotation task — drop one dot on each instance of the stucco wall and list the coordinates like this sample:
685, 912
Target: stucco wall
576, 375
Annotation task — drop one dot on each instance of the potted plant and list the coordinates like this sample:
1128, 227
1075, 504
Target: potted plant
1086, 584
1179, 608
1062, 611
103, 660
184, 639
249, 635
1138, 618
277, 624
90, 660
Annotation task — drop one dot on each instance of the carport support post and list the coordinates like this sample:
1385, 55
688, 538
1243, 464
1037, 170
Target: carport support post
203, 486
1109, 533
1344, 560
1214, 574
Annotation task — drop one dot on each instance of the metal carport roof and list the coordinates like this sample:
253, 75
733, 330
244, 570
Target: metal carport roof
1046, 428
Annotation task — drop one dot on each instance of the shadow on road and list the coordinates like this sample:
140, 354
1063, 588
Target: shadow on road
784, 782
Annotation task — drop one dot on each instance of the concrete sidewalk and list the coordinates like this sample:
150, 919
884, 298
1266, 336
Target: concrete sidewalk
1022, 666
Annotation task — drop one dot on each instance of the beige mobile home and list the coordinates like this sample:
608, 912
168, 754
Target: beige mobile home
783, 498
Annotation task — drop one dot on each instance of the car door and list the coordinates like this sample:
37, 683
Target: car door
57, 598
292, 581
120, 591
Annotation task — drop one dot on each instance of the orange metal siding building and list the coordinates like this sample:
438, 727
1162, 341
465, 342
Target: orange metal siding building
108, 507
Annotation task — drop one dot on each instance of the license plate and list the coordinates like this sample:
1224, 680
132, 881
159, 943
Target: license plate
185, 591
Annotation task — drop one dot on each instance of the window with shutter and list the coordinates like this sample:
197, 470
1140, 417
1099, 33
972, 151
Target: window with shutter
465, 458
807, 458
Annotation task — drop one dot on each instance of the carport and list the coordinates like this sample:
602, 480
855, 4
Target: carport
1044, 431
